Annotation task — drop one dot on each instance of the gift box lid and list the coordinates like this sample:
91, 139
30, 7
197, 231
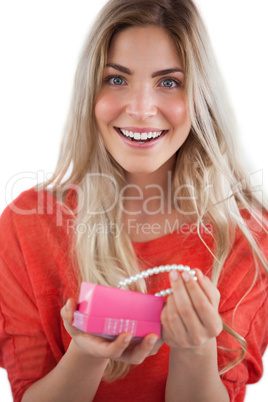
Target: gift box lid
104, 301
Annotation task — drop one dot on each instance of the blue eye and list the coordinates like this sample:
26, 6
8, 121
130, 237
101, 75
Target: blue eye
115, 80
169, 83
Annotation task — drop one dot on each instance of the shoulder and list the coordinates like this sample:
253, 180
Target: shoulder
33, 202
36, 235
34, 222
33, 206
252, 231
257, 223
243, 281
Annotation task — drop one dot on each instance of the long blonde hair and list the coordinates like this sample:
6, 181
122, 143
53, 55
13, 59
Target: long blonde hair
207, 156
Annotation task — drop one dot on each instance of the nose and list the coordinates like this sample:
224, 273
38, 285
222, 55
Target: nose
141, 104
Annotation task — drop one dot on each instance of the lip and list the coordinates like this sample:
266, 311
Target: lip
142, 129
140, 145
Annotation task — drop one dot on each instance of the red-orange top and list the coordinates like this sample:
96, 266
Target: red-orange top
37, 277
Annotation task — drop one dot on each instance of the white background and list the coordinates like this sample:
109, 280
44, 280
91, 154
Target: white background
39, 46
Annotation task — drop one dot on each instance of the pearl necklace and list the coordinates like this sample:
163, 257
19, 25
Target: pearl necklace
158, 270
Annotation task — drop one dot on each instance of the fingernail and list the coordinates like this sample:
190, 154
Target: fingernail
186, 276
152, 341
127, 338
174, 275
68, 305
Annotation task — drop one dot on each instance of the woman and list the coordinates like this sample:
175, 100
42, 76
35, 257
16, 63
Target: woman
153, 180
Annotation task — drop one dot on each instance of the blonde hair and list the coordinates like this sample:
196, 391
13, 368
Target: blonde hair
207, 156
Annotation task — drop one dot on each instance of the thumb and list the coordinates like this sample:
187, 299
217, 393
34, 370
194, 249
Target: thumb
67, 311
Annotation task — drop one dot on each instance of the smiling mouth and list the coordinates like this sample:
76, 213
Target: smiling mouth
141, 138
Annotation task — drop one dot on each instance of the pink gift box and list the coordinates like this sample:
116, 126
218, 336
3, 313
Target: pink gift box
110, 311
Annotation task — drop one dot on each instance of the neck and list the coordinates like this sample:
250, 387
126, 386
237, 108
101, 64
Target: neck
151, 189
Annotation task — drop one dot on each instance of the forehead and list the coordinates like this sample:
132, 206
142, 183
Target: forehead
147, 43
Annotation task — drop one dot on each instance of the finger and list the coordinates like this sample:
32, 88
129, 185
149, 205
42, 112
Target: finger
67, 314
208, 287
183, 301
100, 346
205, 309
174, 331
140, 351
182, 296
114, 349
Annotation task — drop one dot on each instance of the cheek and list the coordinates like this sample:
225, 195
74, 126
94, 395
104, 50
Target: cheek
106, 109
177, 112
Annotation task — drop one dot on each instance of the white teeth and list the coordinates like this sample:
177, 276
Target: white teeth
137, 136
141, 136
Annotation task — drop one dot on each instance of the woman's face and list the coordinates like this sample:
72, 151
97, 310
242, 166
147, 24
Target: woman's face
141, 110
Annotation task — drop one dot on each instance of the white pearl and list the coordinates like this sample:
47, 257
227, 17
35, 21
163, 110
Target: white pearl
157, 270
169, 291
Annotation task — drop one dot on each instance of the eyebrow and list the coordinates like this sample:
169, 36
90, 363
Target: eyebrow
126, 70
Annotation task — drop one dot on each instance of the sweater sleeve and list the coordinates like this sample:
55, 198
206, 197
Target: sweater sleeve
244, 307
24, 350
35, 270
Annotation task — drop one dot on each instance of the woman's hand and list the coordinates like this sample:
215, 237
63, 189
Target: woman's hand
190, 317
122, 348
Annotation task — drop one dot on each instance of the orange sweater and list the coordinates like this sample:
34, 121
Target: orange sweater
36, 278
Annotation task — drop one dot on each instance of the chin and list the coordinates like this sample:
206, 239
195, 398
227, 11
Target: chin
141, 169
